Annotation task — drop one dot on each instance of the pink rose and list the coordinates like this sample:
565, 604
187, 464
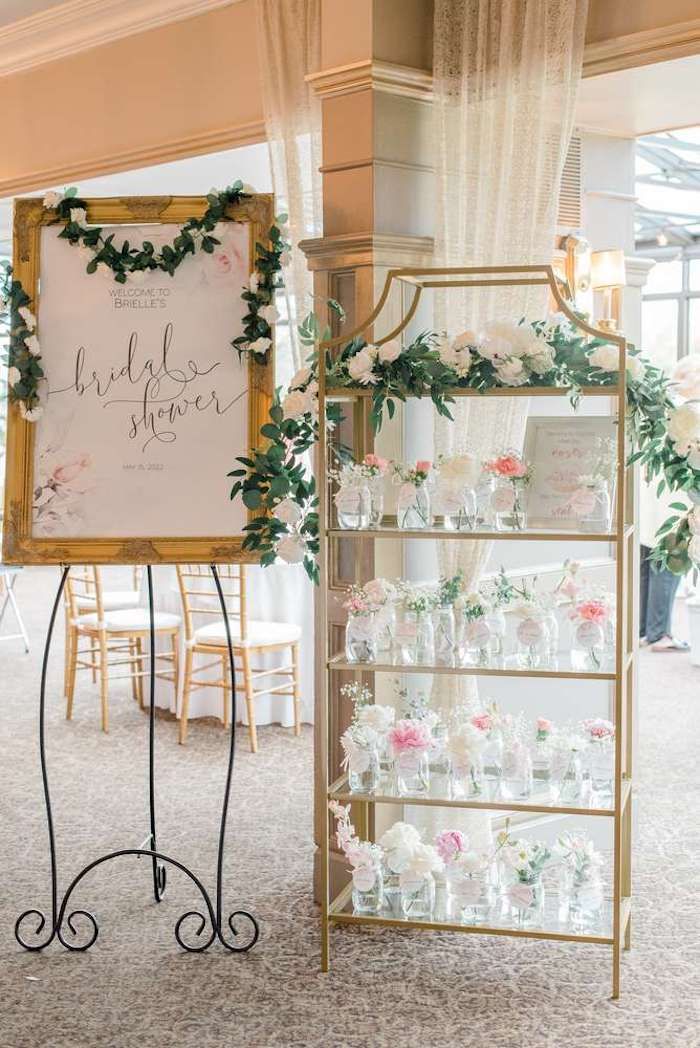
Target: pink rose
376, 461
599, 729
569, 588
449, 844
483, 721
223, 263
70, 470
593, 611
409, 734
544, 725
507, 466
423, 466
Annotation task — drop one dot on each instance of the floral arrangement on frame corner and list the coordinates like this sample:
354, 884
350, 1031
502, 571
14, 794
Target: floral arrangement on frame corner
663, 422
127, 263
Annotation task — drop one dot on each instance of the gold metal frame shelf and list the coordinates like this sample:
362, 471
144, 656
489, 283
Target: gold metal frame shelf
621, 675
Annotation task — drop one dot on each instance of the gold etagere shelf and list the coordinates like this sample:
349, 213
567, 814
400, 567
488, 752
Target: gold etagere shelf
615, 927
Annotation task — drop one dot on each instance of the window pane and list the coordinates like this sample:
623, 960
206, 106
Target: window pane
660, 332
694, 274
694, 325
664, 276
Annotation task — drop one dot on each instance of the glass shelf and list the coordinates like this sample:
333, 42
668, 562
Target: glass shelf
552, 927
490, 800
348, 392
541, 535
508, 667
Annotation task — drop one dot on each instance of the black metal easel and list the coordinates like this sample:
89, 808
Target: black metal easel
60, 917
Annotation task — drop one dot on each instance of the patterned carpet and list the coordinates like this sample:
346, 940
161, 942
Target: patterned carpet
136, 989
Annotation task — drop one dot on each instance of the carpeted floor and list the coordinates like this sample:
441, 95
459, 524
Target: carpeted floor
136, 989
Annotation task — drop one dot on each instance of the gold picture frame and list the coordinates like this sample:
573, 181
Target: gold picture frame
20, 545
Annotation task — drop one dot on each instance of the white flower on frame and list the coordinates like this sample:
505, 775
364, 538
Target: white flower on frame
288, 511
684, 427
360, 367
86, 253
260, 345
297, 404
635, 367
291, 549
390, 351
31, 343
247, 188
300, 378
137, 276
254, 283
52, 199
511, 372
269, 314
78, 215
606, 357
28, 317
30, 414
13, 376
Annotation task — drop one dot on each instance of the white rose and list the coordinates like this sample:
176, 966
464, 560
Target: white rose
635, 368
469, 862
499, 342
13, 376
424, 860
465, 340
684, 426
390, 351
52, 199
360, 367
511, 372
32, 344
247, 188
456, 357
78, 215
260, 345
300, 379
694, 550
254, 283
543, 362
378, 718
30, 414
400, 835
605, 357
104, 269
291, 549
296, 404
686, 377
28, 317
288, 511
269, 314
137, 276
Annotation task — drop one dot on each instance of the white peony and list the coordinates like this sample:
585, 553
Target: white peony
400, 835
465, 744
464, 340
360, 367
605, 357
635, 367
423, 861
300, 379
296, 404
529, 343
470, 862
686, 377
511, 372
378, 718
694, 459
269, 314
32, 344
30, 414
260, 345
543, 362
684, 426
78, 215
501, 341
254, 283
13, 376
457, 357
288, 511
464, 469
390, 351
291, 549
52, 199
28, 317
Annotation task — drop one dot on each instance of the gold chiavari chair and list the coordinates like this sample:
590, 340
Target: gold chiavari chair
113, 637
249, 640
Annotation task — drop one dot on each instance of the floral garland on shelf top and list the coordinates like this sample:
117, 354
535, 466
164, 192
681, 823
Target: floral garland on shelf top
550, 352
131, 264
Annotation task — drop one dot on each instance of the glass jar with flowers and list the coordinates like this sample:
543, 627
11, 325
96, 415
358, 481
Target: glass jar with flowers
590, 615
469, 887
599, 757
417, 882
410, 741
591, 505
444, 624
360, 742
465, 746
455, 491
517, 760
488, 721
365, 861
580, 882
397, 844
512, 476
360, 631
531, 634
382, 595
379, 719
375, 470
523, 862
352, 499
542, 755
413, 509
415, 636
567, 748
477, 638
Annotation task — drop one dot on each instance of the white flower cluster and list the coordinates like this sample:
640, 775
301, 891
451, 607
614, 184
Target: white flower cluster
516, 352
684, 430
302, 397
361, 366
607, 358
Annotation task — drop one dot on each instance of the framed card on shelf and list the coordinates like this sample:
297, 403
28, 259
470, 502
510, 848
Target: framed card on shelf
146, 403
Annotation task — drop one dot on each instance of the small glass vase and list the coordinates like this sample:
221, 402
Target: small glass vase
493, 755
385, 632
508, 502
569, 784
412, 770
363, 770
551, 624
418, 898
598, 519
360, 638
448, 504
376, 502
588, 647
471, 895
392, 889
352, 506
478, 641
468, 517
439, 762
542, 765
600, 765
533, 643
445, 636
526, 902
581, 898
413, 511
425, 638
496, 622
367, 890
466, 778
517, 770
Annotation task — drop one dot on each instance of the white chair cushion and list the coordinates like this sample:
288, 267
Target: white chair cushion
131, 619
258, 633
112, 600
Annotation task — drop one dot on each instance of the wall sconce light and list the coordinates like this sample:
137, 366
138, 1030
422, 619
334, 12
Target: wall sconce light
608, 276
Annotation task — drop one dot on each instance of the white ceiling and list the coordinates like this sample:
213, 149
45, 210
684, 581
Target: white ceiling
13, 10
639, 101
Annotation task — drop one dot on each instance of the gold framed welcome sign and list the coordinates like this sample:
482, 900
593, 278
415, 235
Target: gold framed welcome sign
146, 404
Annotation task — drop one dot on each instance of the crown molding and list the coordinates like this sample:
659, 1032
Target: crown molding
350, 250
379, 76
643, 48
637, 270
76, 25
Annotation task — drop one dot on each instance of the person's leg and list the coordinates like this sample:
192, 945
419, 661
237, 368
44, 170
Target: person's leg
644, 552
662, 590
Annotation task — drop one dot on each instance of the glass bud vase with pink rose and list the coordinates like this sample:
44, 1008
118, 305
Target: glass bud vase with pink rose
365, 859
360, 630
469, 888
591, 617
599, 755
531, 634
410, 741
375, 469
512, 476
352, 499
413, 508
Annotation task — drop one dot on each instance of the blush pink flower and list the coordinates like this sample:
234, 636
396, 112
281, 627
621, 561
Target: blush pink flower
409, 734
483, 721
423, 466
507, 466
544, 725
70, 470
223, 263
376, 462
449, 844
598, 728
593, 611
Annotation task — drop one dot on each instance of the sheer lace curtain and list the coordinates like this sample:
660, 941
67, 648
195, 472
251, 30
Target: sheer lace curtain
289, 35
506, 74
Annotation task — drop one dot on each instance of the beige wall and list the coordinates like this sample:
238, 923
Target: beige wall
608, 19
